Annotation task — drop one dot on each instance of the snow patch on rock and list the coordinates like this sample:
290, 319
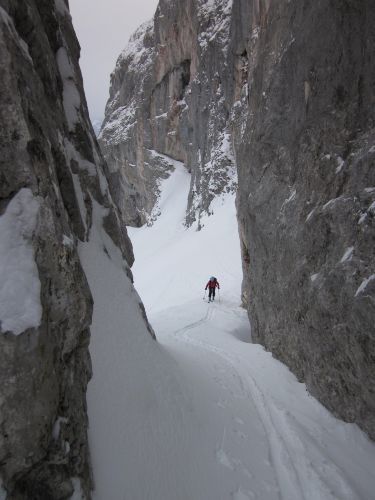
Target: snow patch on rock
20, 306
57, 427
361, 289
78, 493
8, 21
122, 122
136, 54
347, 255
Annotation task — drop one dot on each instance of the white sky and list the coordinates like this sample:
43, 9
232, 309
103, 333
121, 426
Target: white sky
103, 29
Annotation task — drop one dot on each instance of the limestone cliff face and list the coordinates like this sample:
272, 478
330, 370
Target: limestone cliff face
51, 172
305, 150
287, 85
170, 96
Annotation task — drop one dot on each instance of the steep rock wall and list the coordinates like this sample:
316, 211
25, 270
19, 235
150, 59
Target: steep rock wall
51, 172
287, 84
171, 95
306, 156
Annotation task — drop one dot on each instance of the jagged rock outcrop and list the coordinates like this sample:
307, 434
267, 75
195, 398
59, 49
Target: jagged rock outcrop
51, 174
288, 85
171, 95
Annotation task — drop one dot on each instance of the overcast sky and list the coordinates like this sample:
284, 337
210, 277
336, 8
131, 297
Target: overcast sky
103, 28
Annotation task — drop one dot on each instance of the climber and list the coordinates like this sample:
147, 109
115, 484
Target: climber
211, 285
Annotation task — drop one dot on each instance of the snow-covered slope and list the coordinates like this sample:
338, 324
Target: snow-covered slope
134, 401
173, 263
204, 414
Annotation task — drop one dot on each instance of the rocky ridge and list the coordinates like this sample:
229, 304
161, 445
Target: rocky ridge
51, 175
285, 89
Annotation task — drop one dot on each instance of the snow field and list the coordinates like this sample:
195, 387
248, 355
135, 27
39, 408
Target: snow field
264, 436
202, 414
135, 403
173, 263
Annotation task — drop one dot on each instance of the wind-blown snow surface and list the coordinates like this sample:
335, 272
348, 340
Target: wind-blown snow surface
203, 415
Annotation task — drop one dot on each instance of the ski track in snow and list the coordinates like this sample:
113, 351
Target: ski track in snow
293, 469
284, 467
206, 414
297, 464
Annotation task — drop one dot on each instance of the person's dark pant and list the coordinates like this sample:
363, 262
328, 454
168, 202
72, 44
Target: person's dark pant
211, 293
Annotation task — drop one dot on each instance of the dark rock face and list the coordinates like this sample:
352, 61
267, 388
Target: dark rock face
306, 167
51, 173
288, 85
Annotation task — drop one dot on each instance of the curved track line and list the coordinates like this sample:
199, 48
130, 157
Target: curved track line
291, 480
282, 461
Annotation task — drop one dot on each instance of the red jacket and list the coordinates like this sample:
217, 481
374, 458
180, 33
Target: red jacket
212, 284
